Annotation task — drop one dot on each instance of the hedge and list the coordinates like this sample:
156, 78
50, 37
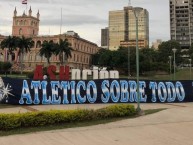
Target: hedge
54, 117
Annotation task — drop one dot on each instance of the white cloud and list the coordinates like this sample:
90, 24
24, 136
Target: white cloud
86, 17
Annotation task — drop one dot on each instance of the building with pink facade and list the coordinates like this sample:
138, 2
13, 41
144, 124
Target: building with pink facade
27, 25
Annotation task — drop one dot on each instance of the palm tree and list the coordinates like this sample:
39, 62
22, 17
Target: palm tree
24, 45
63, 48
47, 49
10, 43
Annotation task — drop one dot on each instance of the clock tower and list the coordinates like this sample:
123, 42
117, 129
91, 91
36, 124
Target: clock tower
25, 25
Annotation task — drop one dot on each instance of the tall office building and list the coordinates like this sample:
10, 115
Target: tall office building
181, 22
122, 27
105, 38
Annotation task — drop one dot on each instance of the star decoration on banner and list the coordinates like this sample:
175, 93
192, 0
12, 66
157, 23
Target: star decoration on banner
5, 92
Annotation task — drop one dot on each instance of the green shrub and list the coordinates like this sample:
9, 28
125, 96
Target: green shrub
9, 121
116, 111
43, 118
5, 66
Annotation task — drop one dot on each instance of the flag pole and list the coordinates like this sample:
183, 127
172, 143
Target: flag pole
61, 23
25, 2
26, 10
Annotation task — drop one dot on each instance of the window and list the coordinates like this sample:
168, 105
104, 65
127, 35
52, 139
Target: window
38, 44
17, 22
30, 58
77, 58
20, 31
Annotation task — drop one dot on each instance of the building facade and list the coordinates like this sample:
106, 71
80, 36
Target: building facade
181, 22
28, 26
1, 51
122, 27
25, 25
156, 44
105, 38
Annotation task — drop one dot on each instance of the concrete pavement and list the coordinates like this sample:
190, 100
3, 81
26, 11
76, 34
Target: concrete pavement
23, 109
173, 126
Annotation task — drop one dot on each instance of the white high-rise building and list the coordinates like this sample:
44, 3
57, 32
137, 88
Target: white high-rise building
181, 22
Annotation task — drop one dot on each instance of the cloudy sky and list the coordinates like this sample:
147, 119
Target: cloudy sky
86, 17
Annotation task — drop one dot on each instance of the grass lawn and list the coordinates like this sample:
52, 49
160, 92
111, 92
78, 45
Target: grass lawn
181, 74
23, 76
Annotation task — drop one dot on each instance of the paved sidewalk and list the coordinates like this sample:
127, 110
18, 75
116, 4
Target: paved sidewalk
23, 109
173, 126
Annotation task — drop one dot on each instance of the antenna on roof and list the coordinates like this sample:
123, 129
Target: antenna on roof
129, 3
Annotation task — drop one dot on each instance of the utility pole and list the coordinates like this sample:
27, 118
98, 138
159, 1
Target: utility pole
129, 4
137, 62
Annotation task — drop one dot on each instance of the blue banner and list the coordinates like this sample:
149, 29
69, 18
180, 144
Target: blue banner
18, 91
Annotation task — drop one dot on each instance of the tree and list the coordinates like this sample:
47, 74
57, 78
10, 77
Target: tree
117, 59
10, 43
63, 48
96, 56
165, 50
24, 45
120, 59
47, 49
147, 59
5, 66
106, 59
190, 52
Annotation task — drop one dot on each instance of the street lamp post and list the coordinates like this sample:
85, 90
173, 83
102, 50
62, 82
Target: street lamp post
190, 68
174, 51
129, 66
170, 57
137, 62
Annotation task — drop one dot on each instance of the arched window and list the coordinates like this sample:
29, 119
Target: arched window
33, 43
38, 44
74, 57
20, 31
77, 58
